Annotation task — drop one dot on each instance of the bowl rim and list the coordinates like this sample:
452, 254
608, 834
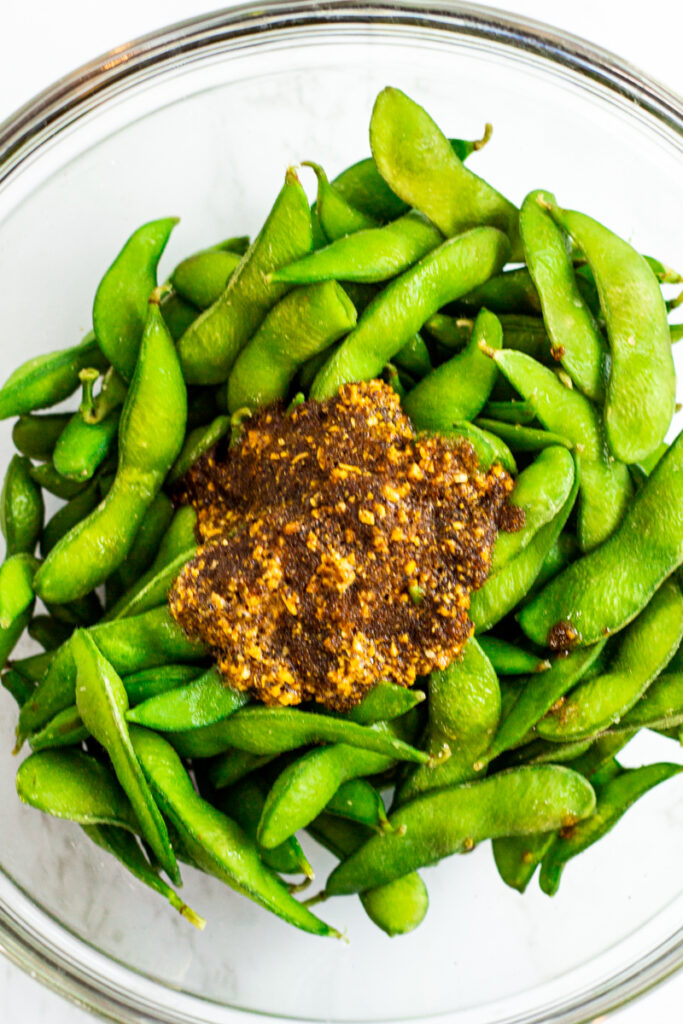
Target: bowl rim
77, 94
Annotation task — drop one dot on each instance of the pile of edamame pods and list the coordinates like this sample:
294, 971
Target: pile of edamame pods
559, 368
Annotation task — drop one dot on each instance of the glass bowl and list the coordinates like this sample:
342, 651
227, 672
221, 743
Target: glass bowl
201, 120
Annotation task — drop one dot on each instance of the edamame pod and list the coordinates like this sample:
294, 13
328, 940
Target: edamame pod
102, 704
419, 165
601, 592
374, 254
201, 702
216, 844
202, 278
36, 436
140, 642
398, 907
574, 334
47, 379
211, 344
365, 189
540, 490
150, 436
82, 446
521, 438
21, 508
504, 589
195, 444
72, 785
358, 800
464, 708
458, 389
641, 390
606, 487
645, 648
538, 694
120, 308
305, 322
509, 660
451, 820
16, 587
400, 309
614, 799
264, 730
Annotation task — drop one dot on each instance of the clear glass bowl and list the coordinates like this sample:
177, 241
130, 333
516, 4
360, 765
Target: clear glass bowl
201, 120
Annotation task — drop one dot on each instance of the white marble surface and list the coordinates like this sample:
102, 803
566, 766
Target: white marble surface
41, 41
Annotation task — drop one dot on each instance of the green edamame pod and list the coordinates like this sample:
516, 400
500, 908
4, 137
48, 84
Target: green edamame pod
613, 800
398, 907
303, 789
72, 785
601, 592
513, 291
66, 729
195, 444
264, 730
202, 278
521, 438
641, 390
563, 551
464, 708
120, 308
102, 704
35, 666
364, 188
400, 309
201, 702
216, 844
36, 436
17, 687
149, 682
10, 635
645, 648
458, 389
504, 589
142, 641
178, 314
509, 412
517, 857
574, 334
419, 165
16, 587
82, 446
373, 254
540, 490
509, 660
335, 216
305, 322
125, 848
244, 804
210, 346
537, 695
384, 702
147, 540
446, 821
50, 480
660, 707
488, 448
414, 358
47, 379
21, 508
606, 487
151, 590
359, 801
229, 767
179, 537
451, 332
150, 436
69, 516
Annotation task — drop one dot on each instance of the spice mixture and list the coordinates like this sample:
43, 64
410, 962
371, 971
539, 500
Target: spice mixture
338, 549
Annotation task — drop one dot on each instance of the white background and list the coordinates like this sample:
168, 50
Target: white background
43, 40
